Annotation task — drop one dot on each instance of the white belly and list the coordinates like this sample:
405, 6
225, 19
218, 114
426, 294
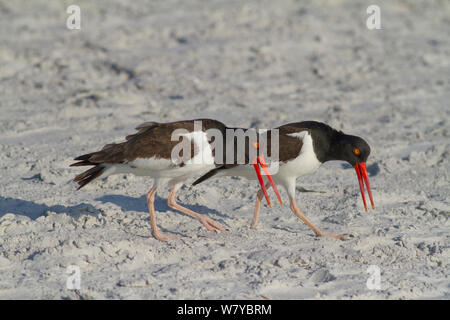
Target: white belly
306, 162
161, 168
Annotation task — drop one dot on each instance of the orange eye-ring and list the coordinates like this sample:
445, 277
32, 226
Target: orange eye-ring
356, 151
256, 144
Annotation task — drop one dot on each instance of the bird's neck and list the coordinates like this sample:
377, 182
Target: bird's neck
327, 145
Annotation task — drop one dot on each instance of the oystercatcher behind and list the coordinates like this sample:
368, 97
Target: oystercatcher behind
303, 147
149, 152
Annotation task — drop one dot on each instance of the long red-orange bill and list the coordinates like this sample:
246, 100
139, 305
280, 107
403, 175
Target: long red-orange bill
263, 164
361, 172
366, 180
261, 182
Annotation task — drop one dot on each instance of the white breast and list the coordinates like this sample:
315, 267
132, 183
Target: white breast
306, 162
161, 168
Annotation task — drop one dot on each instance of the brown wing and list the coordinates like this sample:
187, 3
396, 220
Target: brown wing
143, 127
152, 140
289, 147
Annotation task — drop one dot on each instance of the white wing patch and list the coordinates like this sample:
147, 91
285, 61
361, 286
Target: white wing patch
306, 161
204, 155
300, 135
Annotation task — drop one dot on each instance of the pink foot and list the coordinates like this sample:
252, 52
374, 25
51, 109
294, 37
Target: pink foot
339, 236
212, 225
162, 237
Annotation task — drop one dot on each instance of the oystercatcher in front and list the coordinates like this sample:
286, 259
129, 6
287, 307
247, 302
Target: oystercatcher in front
303, 147
155, 151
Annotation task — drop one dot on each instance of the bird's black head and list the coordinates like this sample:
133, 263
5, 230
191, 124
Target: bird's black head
348, 148
330, 144
355, 151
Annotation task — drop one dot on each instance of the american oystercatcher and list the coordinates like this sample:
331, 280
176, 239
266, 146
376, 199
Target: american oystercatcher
155, 151
303, 147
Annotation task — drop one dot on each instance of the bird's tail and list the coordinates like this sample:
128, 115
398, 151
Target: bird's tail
87, 176
208, 175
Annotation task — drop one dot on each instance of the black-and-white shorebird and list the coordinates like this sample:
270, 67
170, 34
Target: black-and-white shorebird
153, 151
303, 147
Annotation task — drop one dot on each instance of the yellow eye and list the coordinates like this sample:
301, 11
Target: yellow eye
357, 151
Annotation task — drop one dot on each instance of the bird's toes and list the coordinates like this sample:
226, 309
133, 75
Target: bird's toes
163, 237
212, 225
343, 236
346, 236
209, 227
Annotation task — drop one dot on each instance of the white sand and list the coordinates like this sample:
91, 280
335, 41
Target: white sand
64, 93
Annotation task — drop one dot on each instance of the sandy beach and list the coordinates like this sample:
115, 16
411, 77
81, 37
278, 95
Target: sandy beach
255, 64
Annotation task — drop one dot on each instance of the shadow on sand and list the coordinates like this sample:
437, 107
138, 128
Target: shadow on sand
35, 210
127, 203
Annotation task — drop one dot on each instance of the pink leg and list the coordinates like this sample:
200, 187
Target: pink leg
259, 197
209, 223
151, 208
319, 233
